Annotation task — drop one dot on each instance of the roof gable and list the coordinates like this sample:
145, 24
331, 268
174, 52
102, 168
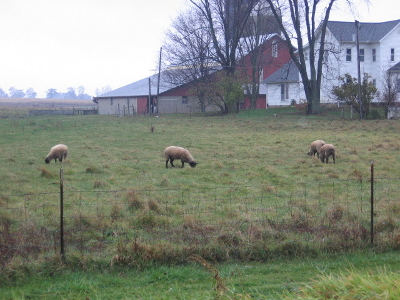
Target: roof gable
395, 68
368, 32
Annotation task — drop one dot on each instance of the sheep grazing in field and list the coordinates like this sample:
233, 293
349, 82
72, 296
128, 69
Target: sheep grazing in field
174, 152
59, 152
315, 147
326, 151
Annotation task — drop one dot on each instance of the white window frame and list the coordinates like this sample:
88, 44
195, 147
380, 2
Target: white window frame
362, 54
348, 54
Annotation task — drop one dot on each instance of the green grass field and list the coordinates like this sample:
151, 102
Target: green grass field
354, 276
255, 194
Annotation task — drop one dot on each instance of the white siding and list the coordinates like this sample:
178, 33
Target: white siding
295, 92
115, 106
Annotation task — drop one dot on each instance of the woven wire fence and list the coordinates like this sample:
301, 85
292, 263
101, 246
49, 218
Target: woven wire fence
96, 221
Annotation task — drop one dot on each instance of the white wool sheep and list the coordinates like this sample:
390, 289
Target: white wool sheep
326, 151
315, 147
59, 152
174, 152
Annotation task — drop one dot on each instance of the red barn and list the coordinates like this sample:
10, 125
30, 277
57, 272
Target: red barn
134, 98
273, 54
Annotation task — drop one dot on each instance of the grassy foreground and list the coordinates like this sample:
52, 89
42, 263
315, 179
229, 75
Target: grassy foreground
356, 276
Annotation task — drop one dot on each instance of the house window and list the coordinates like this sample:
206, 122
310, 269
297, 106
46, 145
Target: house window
348, 54
361, 54
284, 91
398, 85
184, 100
112, 101
373, 54
274, 49
374, 82
392, 54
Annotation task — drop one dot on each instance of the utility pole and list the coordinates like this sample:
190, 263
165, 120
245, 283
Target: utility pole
149, 100
158, 83
359, 70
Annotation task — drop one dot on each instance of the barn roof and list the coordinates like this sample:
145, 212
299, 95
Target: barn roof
139, 88
368, 32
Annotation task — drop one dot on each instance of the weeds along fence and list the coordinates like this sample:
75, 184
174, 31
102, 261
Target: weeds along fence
244, 222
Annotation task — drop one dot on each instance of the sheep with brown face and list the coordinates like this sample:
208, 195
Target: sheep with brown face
327, 150
59, 152
315, 147
174, 152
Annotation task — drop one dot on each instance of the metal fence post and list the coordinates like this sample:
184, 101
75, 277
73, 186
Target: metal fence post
62, 254
372, 202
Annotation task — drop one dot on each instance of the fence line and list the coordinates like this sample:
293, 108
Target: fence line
93, 220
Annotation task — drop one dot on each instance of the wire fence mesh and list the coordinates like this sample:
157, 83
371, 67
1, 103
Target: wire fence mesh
238, 216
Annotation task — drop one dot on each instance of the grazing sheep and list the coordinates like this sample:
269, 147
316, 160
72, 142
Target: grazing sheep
326, 151
59, 152
315, 147
174, 152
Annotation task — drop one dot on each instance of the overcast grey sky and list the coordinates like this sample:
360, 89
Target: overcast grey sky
67, 43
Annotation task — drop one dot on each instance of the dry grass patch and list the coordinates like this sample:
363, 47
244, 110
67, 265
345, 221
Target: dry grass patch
44, 172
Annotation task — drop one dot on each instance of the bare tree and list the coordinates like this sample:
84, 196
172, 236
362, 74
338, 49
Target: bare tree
254, 45
51, 93
3, 94
16, 93
189, 55
103, 90
305, 22
390, 88
30, 93
226, 21
70, 93
211, 37
81, 92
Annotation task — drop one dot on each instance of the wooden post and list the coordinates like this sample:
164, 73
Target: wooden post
372, 202
62, 254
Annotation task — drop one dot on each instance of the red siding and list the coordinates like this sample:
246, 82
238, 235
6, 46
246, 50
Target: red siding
260, 104
270, 64
179, 91
142, 105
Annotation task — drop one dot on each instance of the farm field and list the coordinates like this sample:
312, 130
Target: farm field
122, 153
255, 195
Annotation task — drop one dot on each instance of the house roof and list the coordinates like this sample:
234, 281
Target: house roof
288, 73
395, 68
368, 32
139, 88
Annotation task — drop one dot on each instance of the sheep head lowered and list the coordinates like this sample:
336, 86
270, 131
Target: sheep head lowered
315, 147
59, 152
326, 151
173, 152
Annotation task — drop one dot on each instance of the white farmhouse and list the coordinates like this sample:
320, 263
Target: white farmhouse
379, 45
